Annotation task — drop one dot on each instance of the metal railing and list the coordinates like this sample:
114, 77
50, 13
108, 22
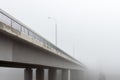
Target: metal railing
17, 25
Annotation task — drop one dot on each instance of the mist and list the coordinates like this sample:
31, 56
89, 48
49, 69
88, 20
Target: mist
88, 30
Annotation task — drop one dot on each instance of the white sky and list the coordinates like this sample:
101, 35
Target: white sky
92, 27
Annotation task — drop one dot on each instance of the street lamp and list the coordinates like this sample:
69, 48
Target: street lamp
55, 29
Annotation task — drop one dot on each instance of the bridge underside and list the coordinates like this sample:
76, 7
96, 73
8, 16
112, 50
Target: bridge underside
22, 65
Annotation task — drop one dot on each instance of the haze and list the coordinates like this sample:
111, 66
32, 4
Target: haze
88, 30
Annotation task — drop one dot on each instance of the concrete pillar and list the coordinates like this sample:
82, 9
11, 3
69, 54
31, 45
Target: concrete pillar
28, 74
59, 74
82, 75
52, 74
74, 75
40, 74
65, 74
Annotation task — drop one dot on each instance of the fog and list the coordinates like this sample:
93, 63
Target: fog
88, 30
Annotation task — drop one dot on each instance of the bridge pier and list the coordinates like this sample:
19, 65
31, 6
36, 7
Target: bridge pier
81, 74
65, 74
52, 74
39, 74
75, 75
28, 74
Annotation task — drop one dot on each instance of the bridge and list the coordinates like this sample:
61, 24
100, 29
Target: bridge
21, 47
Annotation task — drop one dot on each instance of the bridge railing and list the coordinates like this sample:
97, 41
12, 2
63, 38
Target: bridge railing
17, 25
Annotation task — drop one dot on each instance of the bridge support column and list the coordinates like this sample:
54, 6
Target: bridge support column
75, 75
65, 74
28, 74
40, 74
52, 74
81, 73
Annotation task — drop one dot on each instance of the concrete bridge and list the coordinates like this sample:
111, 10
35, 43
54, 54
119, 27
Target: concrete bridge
20, 47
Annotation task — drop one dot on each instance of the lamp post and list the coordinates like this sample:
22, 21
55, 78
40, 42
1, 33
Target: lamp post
55, 29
